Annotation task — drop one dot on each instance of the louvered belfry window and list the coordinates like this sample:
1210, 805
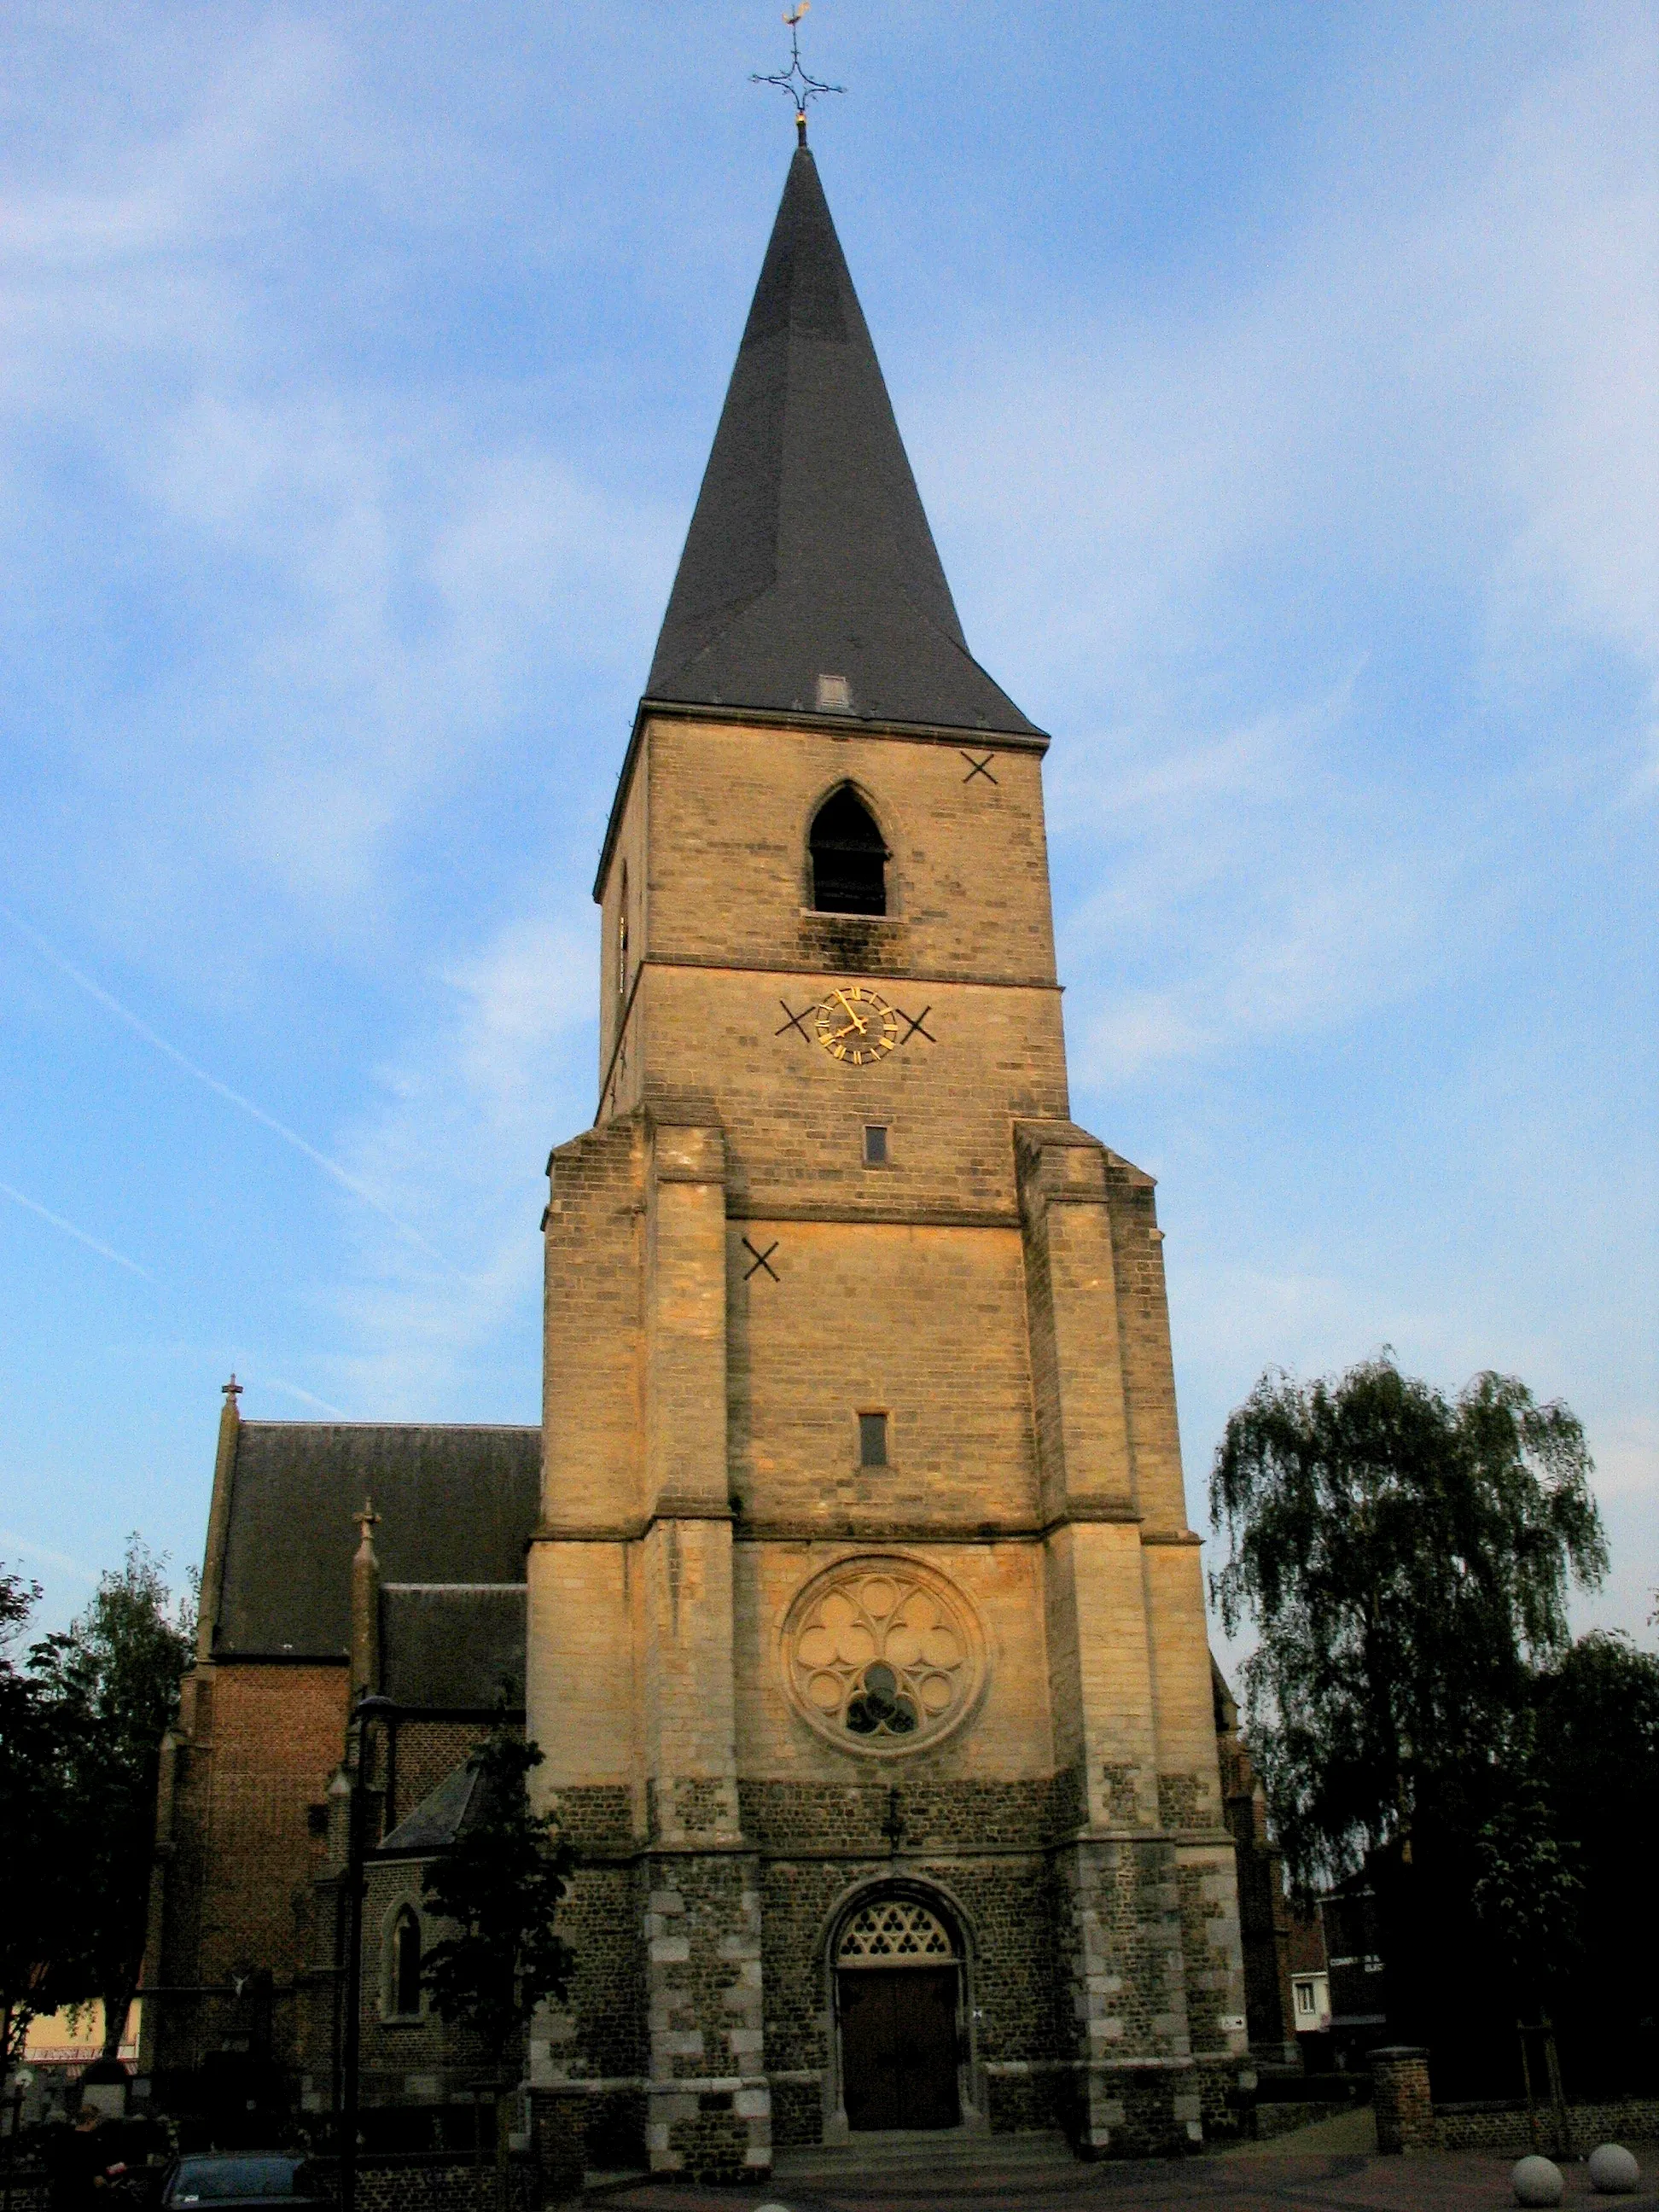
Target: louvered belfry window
850, 861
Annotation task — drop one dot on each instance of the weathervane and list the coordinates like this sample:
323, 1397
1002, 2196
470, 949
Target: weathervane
801, 86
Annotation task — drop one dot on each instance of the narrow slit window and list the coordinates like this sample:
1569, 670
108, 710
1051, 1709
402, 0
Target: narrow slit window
406, 1964
875, 1145
622, 936
850, 861
872, 1439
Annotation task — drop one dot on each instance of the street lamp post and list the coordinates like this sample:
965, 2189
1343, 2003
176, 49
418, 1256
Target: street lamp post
370, 1707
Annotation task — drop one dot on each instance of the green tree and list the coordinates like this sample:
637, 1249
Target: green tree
1528, 1890
500, 1882
43, 1963
1404, 1558
1595, 1760
115, 1677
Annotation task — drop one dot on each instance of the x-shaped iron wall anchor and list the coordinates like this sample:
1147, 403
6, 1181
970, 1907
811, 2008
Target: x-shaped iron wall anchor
760, 1260
978, 768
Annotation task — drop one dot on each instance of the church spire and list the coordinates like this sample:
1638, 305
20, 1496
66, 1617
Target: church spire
810, 581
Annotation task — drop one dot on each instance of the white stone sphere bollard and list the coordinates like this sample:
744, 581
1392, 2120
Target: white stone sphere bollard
1614, 2171
1536, 2181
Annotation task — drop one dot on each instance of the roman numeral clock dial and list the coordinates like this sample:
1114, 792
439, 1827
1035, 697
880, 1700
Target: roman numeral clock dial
855, 1025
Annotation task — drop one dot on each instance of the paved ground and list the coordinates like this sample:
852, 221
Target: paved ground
1291, 2175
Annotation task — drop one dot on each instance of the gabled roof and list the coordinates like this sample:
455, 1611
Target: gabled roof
809, 553
457, 1506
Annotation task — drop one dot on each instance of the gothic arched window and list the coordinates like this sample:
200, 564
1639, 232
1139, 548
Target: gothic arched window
849, 860
405, 1963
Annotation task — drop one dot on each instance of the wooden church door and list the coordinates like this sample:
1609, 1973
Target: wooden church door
897, 1989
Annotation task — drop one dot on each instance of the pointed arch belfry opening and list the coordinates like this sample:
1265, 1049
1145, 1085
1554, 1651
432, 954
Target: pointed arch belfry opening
848, 855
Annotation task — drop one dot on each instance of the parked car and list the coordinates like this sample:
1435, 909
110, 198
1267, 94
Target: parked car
245, 2178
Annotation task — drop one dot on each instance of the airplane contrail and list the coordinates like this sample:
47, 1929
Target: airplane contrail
269, 1120
105, 1251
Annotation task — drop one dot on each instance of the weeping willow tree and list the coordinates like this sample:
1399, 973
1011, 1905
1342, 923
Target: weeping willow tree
1404, 1560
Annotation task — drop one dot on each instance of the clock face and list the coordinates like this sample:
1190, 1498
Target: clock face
856, 1026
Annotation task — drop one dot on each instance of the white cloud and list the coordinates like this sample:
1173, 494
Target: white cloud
365, 586
419, 588
1421, 450
470, 1107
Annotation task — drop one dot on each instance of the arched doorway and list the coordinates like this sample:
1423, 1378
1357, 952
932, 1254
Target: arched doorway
898, 1987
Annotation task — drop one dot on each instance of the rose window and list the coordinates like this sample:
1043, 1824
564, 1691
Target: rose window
882, 1655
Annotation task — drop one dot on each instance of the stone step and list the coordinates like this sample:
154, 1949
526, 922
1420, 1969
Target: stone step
922, 2151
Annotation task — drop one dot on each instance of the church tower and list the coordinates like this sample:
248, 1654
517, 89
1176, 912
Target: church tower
865, 1640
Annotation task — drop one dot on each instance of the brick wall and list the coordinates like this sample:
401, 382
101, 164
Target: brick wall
1400, 2096
1505, 2130
260, 1743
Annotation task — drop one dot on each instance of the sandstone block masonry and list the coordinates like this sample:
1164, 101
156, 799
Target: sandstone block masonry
815, 1410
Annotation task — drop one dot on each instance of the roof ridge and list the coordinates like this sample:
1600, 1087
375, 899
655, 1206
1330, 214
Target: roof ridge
439, 1428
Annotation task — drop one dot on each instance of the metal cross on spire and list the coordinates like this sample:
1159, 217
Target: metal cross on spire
801, 87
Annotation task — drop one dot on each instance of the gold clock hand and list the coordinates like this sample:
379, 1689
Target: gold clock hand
852, 1011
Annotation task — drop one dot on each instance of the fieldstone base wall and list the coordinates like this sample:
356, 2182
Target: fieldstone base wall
1137, 2112
419, 2182
1024, 2100
1120, 1936
710, 2112
559, 2122
1504, 2129
797, 2114
1219, 2093
1142, 1980
1267, 2121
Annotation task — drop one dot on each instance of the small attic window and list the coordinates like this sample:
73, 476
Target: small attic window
850, 861
835, 696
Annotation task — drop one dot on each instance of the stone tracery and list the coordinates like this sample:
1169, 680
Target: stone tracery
882, 1655
894, 1931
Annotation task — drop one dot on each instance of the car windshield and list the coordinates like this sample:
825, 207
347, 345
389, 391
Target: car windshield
223, 2180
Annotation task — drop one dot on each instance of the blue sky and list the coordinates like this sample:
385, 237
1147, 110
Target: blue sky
1281, 385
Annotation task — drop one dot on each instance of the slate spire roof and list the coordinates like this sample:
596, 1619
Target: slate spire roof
809, 554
